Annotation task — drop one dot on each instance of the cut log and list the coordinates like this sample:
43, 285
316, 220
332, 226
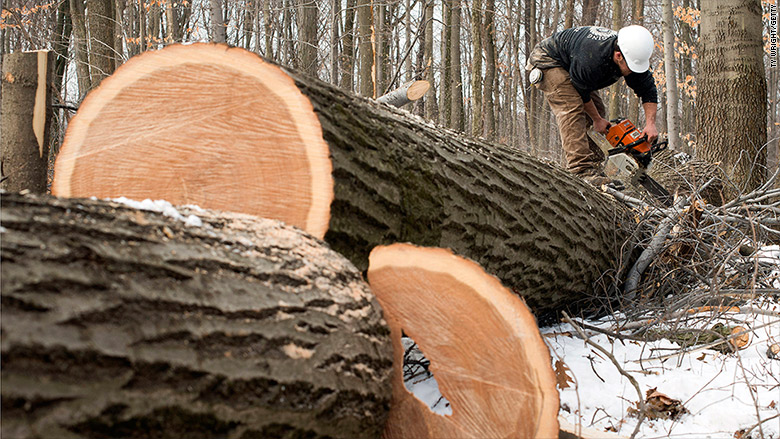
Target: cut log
205, 125
152, 131
405, 94
125, 323
485, 349
25, 118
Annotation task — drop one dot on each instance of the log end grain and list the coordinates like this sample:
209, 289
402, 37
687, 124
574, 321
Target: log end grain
485, 349
201, 124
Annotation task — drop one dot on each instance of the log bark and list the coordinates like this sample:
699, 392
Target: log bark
484, 348
254, 136
25, 119
126, 323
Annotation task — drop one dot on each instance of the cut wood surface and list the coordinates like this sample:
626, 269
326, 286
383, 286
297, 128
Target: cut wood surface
126, 323
196, 125
201, 124
485, 349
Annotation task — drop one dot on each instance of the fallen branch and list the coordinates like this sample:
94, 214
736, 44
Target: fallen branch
652, 250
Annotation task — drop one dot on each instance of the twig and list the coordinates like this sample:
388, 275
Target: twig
642, 409
708, 345
749, 430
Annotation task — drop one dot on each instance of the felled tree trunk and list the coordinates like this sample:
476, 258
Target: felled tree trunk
124, 323
24, 120
405, 94
223, 129
484, 348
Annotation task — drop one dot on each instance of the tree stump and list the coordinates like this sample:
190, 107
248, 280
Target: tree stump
125, 323
25, 118
485, 349
248, 136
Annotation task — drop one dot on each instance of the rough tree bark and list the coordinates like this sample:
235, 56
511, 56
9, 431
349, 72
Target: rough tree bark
25, 118
731, 96
543, 232
126, 323
504, 388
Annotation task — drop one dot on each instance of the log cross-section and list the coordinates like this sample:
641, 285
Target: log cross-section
485, 349
202, 124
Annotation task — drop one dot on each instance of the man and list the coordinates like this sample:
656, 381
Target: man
571, 65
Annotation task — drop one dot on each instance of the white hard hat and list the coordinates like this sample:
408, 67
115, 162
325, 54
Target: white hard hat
636, 44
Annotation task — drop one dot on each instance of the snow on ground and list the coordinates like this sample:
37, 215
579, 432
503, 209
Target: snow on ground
712, 386
724, 394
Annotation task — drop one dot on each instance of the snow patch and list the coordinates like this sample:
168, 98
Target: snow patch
164, 207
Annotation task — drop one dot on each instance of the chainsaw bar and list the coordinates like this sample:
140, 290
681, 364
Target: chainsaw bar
655, 189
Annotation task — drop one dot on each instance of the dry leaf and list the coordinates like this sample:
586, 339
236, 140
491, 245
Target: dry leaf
660, 406
774, 351
561, 375
741, 341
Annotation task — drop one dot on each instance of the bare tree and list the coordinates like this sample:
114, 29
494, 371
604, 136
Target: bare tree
218, 29
672, 95
476, 68
366, 48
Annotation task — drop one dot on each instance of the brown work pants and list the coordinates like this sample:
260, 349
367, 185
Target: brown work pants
583, 156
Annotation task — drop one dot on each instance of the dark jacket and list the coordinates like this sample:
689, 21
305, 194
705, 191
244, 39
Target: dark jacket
586, 53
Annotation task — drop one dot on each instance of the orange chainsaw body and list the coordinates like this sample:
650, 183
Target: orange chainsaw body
623, 134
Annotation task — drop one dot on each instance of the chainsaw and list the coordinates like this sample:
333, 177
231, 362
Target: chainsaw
626, 141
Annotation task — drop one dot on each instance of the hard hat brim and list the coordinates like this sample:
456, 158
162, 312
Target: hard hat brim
638, 66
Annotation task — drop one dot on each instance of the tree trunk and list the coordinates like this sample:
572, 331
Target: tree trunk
267, 20
335, 15
61, 44
431, 104
126, 323
465, 307
366, 49
348, 50
171, 30
569, 14
102, 59
544, 233
77, 15
617, 89
457, 121
476, 68
25, 120
672, 95
218, 30
445, 107
490, 70
307, 36
590, 9
731, 110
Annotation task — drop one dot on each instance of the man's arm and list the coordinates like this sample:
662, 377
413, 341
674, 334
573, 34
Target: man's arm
599, 123
650, 129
